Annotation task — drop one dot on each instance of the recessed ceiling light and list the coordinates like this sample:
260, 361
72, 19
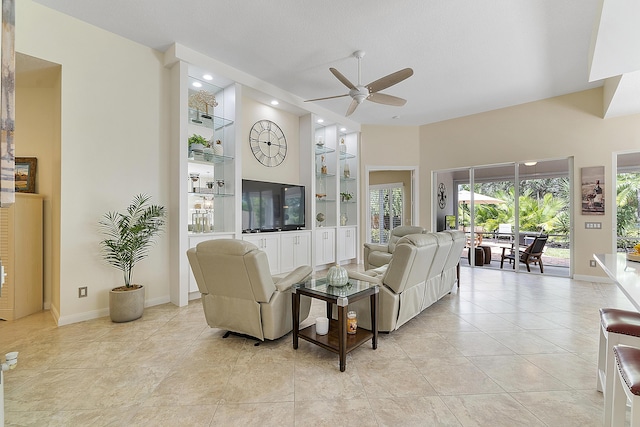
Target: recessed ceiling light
275, 102
530, 163
320, 120
196, 84
343, 129
207, 77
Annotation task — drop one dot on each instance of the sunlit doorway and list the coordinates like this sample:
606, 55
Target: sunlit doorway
501, 219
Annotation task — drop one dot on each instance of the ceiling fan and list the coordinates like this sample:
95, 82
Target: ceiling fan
371, 91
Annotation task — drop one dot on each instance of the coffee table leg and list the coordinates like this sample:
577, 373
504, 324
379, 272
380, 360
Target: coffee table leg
329, 305
295, 301
342, 337
374, 319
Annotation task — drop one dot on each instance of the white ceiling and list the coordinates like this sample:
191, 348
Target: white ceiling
468, 56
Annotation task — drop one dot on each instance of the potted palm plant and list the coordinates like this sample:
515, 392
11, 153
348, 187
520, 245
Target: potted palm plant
128, 238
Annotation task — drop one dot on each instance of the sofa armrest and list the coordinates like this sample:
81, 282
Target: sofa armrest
377, 247
298, 275
365, 277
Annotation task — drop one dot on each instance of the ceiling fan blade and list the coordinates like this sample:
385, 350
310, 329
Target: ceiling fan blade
352, 108
382, 98
345, 81
389, 80
326, 97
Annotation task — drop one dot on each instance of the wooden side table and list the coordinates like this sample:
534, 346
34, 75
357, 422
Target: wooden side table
337, 340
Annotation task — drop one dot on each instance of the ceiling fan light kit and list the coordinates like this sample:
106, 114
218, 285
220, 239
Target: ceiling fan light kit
360, 92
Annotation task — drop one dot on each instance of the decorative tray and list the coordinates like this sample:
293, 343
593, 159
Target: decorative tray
633, 257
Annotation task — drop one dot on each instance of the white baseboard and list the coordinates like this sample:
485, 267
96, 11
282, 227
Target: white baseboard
103, 312
596, 279
81, 317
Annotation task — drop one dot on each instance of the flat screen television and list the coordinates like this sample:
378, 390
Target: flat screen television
271, 206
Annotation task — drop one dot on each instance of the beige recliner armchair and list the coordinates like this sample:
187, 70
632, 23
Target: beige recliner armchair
376, 255
238, 292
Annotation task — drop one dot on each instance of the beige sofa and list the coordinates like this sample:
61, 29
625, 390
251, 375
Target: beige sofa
423, 269
377, 255
238, 292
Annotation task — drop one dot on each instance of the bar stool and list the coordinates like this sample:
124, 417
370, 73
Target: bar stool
616, 327
626, 385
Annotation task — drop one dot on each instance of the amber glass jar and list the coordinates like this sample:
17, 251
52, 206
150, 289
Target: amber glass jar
352, 322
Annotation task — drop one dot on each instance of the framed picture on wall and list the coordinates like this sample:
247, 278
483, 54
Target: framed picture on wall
592, 185
25, 174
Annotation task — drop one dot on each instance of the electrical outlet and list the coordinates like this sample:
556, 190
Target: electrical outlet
82, 292
592, 263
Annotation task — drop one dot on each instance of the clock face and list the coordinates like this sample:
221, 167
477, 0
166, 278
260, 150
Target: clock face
442, 195
268, 144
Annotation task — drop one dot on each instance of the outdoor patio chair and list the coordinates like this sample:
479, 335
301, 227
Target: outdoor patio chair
531, 255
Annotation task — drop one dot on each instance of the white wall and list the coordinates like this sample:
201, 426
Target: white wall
114, 144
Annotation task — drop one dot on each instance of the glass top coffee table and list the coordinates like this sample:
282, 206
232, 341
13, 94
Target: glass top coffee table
337, 340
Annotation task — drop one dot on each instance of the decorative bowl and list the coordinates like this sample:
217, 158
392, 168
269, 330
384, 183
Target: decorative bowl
633, 257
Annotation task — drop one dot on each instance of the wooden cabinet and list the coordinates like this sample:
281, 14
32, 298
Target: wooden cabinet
295, 250
21, 251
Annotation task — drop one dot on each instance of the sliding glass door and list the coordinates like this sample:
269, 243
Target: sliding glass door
386, 210
627, 201
503, 219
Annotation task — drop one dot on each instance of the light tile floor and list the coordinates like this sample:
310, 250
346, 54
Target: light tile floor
506, 350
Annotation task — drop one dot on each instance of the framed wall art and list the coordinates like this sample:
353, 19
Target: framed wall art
25, 172
592, 187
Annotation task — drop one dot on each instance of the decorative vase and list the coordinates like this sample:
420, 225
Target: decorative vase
344, 219
343, 147
337, 276
347, 171
207, 153
218, 149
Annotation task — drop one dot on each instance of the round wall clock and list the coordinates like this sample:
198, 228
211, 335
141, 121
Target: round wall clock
442, 195
268, 144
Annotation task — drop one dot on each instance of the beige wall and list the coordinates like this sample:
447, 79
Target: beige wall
37, 133
393, 147
564, 126
395, 176
288, 171
114, 144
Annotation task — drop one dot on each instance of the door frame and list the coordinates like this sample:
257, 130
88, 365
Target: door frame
413, 191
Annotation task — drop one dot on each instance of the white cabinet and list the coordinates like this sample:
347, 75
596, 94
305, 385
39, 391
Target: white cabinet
347, 246
204, 181
325, 246
270, 244
295, 250
331, 152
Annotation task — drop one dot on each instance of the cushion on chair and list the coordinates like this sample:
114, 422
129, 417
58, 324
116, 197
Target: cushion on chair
238, 292
628, 360
622, 322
